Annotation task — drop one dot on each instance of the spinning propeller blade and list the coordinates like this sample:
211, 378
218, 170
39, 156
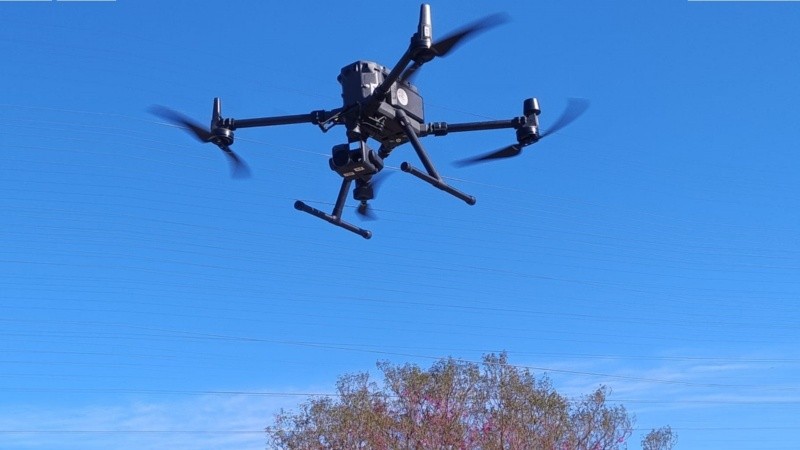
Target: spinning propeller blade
364, 210
444, 46
575, 108
505, 152
239, 168
454, 39
194, 128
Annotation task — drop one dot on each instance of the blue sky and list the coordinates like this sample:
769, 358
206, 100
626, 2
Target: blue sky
150, 301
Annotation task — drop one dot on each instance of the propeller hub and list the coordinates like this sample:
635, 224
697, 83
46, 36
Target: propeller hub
222, 136
527, 134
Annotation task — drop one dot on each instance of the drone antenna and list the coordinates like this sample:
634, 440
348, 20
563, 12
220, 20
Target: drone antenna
423, 49
216, 113
424, 35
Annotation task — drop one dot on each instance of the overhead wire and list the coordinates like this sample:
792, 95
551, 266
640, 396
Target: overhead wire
457, 224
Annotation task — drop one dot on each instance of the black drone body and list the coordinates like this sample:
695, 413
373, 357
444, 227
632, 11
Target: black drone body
383, 105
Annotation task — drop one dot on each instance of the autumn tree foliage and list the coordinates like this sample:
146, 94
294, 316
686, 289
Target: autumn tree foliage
660, 439
454, 405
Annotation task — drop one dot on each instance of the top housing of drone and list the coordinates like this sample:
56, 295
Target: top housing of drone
359, 81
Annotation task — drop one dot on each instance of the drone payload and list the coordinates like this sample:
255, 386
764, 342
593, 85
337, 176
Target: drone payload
382, 104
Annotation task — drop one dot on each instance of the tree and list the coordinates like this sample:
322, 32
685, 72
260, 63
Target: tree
454, 405
660, 439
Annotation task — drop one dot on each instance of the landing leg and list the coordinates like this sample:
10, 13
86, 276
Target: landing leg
432, 177
335, 217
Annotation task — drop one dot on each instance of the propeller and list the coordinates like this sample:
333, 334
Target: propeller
239, 168
575, 108
364, 210
444, 46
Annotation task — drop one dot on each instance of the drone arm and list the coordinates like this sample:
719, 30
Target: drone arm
320, 117
443, 128
418, 51
379, 93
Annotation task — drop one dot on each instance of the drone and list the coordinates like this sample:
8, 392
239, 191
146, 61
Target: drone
382, 104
